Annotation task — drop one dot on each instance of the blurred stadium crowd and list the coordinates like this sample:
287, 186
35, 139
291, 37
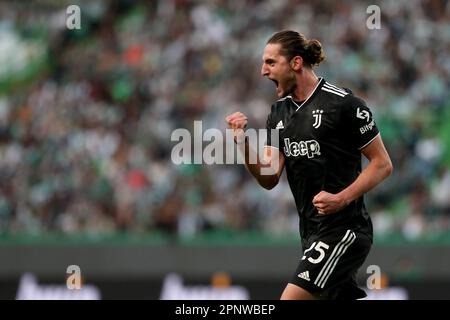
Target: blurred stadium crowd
86, 115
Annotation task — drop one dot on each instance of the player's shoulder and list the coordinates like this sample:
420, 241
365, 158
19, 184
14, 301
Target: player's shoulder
354, 100
342, 95
335, 92
282, 101
281, 104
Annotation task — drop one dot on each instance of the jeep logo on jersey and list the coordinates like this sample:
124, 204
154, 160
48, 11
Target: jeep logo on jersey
317, 114
302, 148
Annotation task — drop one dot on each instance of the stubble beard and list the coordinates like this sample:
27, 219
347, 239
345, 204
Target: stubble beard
291, 85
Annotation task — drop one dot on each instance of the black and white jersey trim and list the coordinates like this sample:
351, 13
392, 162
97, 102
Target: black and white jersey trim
333, 89
310, 95
332, 261
365, 145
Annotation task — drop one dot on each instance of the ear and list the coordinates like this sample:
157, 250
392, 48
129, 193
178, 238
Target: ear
296, 63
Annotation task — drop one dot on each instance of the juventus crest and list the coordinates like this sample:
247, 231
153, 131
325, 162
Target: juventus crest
317, 114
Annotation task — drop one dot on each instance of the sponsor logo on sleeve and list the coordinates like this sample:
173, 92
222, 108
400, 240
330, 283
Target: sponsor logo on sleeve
367, 127
363, 114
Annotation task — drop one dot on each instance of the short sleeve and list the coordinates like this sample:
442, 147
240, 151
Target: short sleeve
358, 120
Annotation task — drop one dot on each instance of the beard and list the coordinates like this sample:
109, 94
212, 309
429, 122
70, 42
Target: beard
287, 85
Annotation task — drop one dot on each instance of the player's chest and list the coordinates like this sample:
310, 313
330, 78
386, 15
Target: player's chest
308, 130
315, 120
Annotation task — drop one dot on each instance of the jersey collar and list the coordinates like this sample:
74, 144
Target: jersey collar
311, 95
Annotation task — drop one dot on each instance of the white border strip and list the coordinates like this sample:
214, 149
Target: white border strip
335, 250
369, 141
332, 86
332, 91
334, 263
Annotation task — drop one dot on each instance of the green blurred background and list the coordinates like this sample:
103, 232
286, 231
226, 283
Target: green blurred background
86, 117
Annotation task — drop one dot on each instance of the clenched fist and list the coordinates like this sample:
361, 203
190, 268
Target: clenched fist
237, 121
328, 203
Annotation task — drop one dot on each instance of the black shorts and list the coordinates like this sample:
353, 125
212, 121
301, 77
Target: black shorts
328, 266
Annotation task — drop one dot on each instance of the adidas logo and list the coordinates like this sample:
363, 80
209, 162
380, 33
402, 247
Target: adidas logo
280, 125
304, 275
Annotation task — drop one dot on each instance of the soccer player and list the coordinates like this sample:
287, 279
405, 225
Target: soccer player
323, 130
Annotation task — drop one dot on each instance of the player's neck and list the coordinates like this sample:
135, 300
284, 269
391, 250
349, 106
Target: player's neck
306, 83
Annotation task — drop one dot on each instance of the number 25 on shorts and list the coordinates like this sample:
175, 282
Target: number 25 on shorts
319, 247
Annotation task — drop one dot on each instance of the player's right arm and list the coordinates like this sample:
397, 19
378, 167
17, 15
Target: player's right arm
266, 169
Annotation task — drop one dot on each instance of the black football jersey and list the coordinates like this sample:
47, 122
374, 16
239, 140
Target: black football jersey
321, 139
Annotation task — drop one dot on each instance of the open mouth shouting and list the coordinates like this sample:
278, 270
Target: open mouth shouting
284, 86
277, 87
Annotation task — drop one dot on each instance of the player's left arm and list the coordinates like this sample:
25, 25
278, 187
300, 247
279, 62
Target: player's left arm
364, 135
378, 169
